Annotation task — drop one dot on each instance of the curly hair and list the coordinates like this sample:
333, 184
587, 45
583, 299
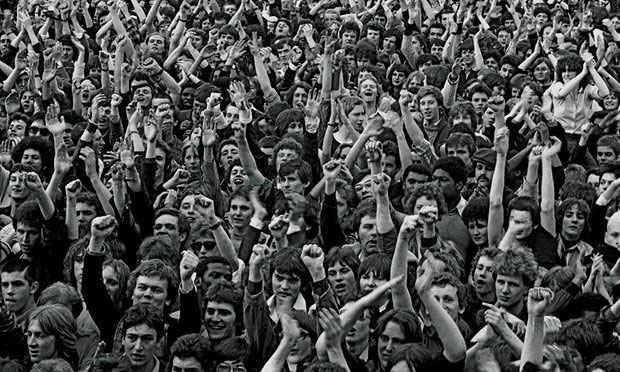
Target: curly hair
477, 208
62, 294
518, 262
430, 191
45, 149
191, 345
144, 314
57, 320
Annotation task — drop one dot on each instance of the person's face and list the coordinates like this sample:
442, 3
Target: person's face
187, 208
435, 33
282, 29
139, 344
18, 189
529, 96
358, 335
468, 56
341, 279
143, 96
349, 38
215, 271
367, 234
363, 189
503, 38
392, 337
300, 97
413, 181
160, 159
437, 50
17, 293
112, 282
284, 156
605, 181
568, 75
37, 128
483, 276
228, 154
389, 44
462, 118
523, 219
240, 212
357, 116
28, 237
238, 177
295, 127
156, 44
186, 364
610, 102
541, 18
27, 102
230, 9
398, 78
416, 44
187, 97
507, 70
66, 54
151, 290
478, 232
286, 287
232, 115
191, 160
41, 346
509, 290
342, 205
302, 348
446, 183
373, 36
448, 298
369, 90
32, 158
605, 155
204, 247
484, 173
220, 320
291, 184
594, 181
423, 201
488, 117
86, 213
479, 100
510, 24
388, 165
461, 152
380, 19
17, 129
369, 281
78, 268
167, 228
542, 73
573, 222
5, 41
351, 61
87, 90
429, 107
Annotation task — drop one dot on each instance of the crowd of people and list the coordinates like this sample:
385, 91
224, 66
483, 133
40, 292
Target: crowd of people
320, 186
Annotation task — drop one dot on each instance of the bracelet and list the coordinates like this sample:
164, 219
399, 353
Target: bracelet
182, 20
216, 225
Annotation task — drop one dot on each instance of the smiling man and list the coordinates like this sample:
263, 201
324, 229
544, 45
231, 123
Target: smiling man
142, 329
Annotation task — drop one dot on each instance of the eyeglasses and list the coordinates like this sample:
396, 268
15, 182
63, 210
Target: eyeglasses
37, 130
197, 246
227, 367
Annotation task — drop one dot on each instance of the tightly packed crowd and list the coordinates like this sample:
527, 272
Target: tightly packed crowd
321, 186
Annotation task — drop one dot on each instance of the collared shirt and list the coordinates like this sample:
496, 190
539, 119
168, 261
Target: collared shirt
461, 205
575, 109
300, 304
574, 253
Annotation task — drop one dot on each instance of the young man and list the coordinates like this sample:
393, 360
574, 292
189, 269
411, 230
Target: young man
190, 353
171, 226
19, 287
142, 330
482, 287
514, 272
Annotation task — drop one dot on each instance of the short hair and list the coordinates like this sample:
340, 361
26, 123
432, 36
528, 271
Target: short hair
62, 294
191, 345
432, 192
57, 320
582, 335
430, 90
511, 59
610, 140
578, 190
13, 265
461, 140
233, 348
303, 169
350, 102
477, 208
379, 263
349, 26
490, 252
288, 261
427, 57
28, 214
557, 277
416, 356
436, 77
181, 218
203, 265
518, 262
609, 362
419, 169
112, 363
391, 148
325, 367
454, 166
526, 204
286, 144
225, 292
143, 314
156, 248
575, 172
444, 279
367, 207
229, 30
345, 256
52, 365
155, 268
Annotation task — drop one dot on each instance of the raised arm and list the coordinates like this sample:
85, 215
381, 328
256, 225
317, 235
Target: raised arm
381, 182
534, 344
496, 207
400, 294
206, 209
547, 203
33, 183
72, 190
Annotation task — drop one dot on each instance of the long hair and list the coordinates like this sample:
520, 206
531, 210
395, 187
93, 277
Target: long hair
57, 320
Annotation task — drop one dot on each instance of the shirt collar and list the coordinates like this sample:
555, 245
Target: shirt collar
300, 304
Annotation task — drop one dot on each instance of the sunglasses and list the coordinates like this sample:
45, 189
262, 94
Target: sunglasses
41, 131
